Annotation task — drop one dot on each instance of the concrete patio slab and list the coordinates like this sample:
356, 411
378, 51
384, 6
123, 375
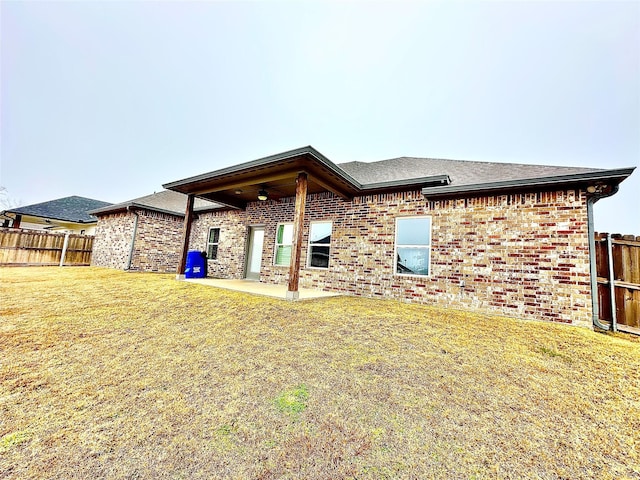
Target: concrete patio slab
257, 288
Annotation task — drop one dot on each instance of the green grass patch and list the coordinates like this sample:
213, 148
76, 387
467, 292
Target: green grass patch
293, 401
12, 439
553, 353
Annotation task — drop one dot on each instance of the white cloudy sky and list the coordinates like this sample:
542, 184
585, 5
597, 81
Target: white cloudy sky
110, 100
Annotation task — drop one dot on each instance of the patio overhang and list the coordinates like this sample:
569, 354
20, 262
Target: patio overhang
295, 173
239, 185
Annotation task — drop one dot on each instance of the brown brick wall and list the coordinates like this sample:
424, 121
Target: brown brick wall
158, 242
523, 255
113, 240
232, 241
157, 246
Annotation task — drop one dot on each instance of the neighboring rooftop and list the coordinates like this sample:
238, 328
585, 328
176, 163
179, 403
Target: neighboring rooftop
68, 209
164, 201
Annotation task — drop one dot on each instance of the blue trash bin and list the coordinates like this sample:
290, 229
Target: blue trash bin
196, 266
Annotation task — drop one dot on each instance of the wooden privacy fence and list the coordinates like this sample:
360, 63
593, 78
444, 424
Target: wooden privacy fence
37, 247
618, 270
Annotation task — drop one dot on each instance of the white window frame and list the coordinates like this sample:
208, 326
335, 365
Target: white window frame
310, 244
421, 246
210, 244
275, 252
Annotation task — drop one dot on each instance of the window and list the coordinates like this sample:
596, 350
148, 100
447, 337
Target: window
284, 240
319, 244
212, 243
413, 245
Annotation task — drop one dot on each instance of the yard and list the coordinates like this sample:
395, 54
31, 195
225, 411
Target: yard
106, 374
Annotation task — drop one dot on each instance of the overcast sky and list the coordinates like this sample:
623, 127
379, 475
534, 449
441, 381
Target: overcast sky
109, 100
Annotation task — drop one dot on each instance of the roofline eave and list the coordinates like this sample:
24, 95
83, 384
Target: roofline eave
406, 183
617, 175
49, 217
353, 184
140, 206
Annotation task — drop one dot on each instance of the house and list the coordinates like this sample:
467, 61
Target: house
143, 234
503, 238
64, 215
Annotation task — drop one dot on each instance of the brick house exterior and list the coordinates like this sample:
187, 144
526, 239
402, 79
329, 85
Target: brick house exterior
523, 255
143, 234
499, 238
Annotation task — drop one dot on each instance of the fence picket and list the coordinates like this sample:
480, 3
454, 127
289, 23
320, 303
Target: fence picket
626, 274
36, 247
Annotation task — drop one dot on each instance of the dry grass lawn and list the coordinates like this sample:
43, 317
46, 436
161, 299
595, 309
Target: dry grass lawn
106, 374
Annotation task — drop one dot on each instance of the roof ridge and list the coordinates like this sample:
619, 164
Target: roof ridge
456, 160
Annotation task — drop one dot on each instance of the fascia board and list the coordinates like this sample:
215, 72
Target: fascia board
542, 182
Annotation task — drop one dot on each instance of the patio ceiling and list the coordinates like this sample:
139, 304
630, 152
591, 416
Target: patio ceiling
238, 185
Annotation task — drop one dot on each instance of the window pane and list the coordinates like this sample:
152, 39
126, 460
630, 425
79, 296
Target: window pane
280, 234
319, 257
413, 261
212, 252
285, 234
320, 233
413, 231
283, 255
214, 234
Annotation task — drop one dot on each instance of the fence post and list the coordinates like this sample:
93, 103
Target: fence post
64, 248
612, 285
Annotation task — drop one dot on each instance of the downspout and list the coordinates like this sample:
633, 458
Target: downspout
597, 194
133, 238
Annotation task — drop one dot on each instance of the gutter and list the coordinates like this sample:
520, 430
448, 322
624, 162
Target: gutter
141, 206
600, 192
535, 182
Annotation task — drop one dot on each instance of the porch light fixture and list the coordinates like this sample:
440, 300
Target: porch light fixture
262, 195
597, 188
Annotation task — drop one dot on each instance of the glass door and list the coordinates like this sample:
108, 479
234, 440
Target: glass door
254, 253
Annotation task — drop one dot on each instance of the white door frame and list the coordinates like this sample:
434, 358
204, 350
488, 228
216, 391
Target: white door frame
255, 245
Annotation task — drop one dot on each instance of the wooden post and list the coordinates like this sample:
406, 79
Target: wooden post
296, 247
186, 233
65, 245
612, 284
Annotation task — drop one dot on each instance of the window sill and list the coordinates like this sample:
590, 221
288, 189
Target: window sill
412, 275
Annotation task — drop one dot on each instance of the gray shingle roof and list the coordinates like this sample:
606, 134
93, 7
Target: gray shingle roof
461, 172
163, 201
68, 209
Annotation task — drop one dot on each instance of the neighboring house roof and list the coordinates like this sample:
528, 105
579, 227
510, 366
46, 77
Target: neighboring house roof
68, 209
239, 184
165, 201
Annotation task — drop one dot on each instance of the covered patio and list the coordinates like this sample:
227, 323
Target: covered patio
293, 174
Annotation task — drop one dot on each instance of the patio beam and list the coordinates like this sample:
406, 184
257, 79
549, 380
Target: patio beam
186, 233
296, 247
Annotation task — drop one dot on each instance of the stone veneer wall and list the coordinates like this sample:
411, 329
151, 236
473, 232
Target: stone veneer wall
524, 255
113, 240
